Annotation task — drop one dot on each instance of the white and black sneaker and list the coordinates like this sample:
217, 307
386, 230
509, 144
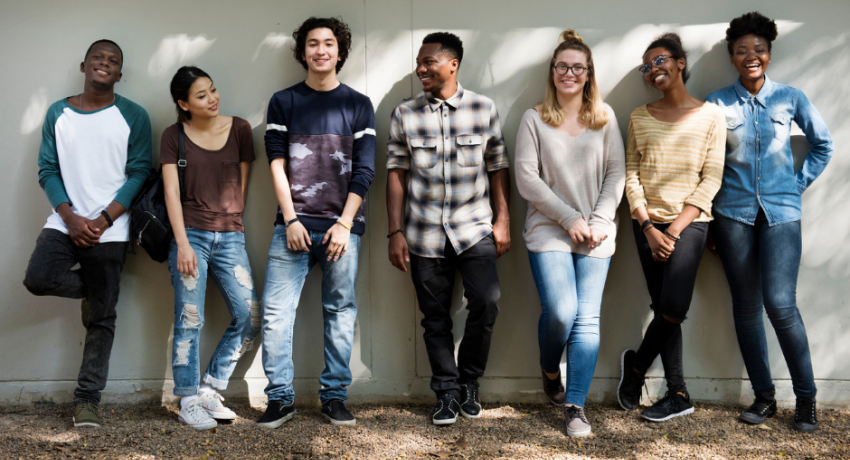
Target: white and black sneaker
446, 410
631, 383
671, 405
277, 414
470, 405
759, 411
336, 413
195, 416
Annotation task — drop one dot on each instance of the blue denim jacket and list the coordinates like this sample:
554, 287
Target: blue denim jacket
759, 168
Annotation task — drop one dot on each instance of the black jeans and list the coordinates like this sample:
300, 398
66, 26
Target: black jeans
434, 280
96, 282
671, 287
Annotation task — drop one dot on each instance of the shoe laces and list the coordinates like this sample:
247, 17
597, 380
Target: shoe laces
573, 412
215, 398
667, 400
471, 392
86, 405
760, 406
196, 411
805, 410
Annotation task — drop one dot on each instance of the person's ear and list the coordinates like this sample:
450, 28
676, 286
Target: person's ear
455, 65
184, 106
83, 67
682, 64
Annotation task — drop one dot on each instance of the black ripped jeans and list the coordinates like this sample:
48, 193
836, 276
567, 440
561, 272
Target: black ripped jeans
96, 282
671, 287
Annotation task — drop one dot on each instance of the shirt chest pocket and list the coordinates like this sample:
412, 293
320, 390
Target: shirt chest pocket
229, 172
469, 150
734, 131
781, 126
424, 151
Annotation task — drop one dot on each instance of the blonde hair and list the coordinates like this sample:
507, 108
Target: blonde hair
592, 114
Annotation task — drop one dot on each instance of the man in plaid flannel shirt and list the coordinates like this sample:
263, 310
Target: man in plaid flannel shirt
450, 140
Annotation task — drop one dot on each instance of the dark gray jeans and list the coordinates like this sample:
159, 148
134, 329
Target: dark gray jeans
96, 282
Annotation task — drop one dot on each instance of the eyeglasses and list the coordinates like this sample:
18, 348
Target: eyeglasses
657, 61
562, 69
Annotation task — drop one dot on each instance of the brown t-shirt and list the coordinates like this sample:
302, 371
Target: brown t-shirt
213, 179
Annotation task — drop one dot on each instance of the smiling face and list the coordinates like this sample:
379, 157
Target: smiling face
664, 76
435, 68
751, 56
569, 84
102, 65
321, 52
203, 99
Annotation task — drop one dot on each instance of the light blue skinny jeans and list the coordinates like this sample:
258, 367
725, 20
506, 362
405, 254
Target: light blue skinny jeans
570, 287
222, 255
285, 274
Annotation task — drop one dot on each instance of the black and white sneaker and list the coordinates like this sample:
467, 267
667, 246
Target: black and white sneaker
671, 405
805, 418
470, 405
277, 414
631, 383
759, 411
446, 410
336, 413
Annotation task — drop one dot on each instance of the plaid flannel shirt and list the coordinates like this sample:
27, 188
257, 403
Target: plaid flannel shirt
454, 144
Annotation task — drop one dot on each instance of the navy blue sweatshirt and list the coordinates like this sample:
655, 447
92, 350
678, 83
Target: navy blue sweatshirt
328, 141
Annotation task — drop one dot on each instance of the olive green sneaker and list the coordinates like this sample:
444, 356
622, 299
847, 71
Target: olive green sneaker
85, 414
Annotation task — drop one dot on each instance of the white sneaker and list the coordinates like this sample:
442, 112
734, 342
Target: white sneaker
195, 416
212, 402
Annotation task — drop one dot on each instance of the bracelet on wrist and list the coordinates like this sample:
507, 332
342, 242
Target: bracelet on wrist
675, 238
286, 225
394, 232
646, 225
106, 216
344, 224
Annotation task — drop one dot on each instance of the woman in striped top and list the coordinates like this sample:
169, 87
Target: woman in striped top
674, 165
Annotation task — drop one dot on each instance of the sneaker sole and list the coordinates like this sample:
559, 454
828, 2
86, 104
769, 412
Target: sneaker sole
462, 412
753, 419
277, 423
578, 434
221, 415
687, 411
85, 424
448, 421
339, 422
622, 375
806, 428
199, 426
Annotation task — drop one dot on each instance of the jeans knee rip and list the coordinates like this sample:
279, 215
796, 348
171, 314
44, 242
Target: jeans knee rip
247, 345
254, 307
243, 276
190, 281
182, 358
191, 317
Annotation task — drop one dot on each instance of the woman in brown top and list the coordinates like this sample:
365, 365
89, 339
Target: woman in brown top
206, 216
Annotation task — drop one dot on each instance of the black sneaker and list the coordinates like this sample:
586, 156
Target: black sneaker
631, 383
554, 389
671, 405
470, 405
445, 411
277, 414
336, 413
762, 409
805, 419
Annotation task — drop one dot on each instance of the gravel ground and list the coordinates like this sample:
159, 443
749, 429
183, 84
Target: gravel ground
404, 432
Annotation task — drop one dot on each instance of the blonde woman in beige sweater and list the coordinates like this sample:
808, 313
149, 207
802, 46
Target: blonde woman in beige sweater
674, 165
570, 167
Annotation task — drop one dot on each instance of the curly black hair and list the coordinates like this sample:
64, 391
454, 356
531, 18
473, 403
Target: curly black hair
672, 43
339, 29
751, 23
449, 44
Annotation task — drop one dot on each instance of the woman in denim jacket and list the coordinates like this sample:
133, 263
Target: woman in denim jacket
758, 212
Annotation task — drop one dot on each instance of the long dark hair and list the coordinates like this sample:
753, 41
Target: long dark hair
180, 85
672, 43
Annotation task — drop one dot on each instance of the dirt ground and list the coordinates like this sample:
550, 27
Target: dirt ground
405, 432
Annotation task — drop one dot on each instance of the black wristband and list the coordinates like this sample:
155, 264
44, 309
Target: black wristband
394, 232
675, 238
106, 216
286, 225
647, 224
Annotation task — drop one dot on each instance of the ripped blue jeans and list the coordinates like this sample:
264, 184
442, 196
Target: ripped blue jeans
223, 255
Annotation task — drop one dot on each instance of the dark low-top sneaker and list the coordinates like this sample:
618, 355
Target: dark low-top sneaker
805, 418
336, 413
446, 410
277, 414
554, 389
631, 383
470, 405
671, 405
759, 411
85, 414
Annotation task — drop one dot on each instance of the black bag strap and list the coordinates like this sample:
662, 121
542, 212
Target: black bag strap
181, 159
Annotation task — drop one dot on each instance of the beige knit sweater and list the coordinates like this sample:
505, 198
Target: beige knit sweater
567, 178
669, 165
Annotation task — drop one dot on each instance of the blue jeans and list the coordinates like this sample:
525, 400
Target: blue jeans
285, 274
223, 255
761, 264
570, 287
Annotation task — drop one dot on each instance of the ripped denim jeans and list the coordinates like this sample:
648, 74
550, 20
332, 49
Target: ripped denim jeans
222, 255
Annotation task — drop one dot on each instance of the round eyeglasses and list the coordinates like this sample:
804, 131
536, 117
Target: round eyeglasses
562, 69
657, 61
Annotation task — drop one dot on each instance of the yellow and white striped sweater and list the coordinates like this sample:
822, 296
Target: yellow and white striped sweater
670, 165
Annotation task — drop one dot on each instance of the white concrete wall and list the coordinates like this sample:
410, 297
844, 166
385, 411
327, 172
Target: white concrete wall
245, 46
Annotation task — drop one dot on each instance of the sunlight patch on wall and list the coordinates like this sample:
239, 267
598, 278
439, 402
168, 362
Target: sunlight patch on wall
34, 115
176, 50
272, 42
